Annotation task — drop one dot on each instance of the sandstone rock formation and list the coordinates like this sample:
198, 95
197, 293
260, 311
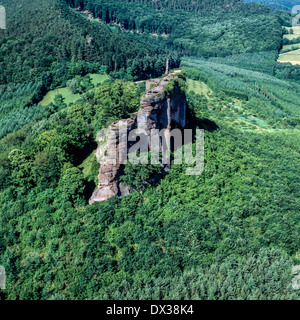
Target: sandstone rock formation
157, 111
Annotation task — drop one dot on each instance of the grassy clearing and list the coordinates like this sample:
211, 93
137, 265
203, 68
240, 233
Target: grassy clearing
291, 47
292, 57
199, 87
99, 78
246, 122
65, 92
68, 95
254, 121
292, 36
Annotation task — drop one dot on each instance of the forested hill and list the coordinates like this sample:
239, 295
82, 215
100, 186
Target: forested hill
45, 36
186, 5
216, 28
278, 4
230, 233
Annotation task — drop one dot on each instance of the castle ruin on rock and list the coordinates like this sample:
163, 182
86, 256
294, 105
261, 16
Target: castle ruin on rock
158, 111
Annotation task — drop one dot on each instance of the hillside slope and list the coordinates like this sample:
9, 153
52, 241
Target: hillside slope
204, 28
170, 241
278, 4
51, 35
230, 233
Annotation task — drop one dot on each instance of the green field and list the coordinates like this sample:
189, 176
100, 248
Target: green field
293, 54
65, 92
68, 95
254, 121
198, 87
292, 36
292, 57
99, 78
291, 47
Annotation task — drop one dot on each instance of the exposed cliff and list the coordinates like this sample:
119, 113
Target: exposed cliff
163, 107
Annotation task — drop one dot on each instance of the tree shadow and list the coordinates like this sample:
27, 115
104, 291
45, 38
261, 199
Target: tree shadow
207, 125
90, 187
81, 154
194, 122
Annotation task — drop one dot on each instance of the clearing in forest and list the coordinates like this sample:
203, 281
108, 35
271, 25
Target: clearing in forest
291, 47
293, 54
65, 92
199, 87
99, 78
292, 57
294, 35
68, 96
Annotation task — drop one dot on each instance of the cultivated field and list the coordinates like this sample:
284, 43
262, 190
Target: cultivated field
292, 36
292, 57
291, 47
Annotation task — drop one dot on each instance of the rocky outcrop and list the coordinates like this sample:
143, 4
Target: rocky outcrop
158, 110
108, 154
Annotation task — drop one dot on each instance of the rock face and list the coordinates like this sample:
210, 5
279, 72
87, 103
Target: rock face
158, 111
108, 153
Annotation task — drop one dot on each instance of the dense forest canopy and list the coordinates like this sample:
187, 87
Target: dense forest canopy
230, 233
278, 4
50, 36
212, 28
185, 5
